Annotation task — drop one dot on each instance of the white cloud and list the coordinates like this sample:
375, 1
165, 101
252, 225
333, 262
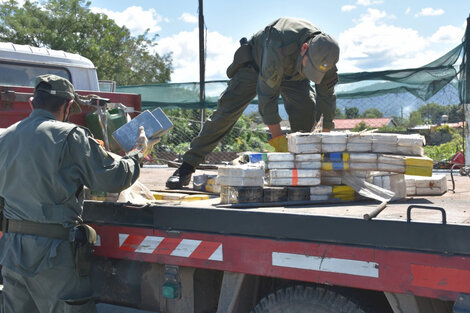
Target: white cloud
408, 11
430, 12
188, 18
135, 18
373, 44
185, 53
346, 8
368, 2
447, 34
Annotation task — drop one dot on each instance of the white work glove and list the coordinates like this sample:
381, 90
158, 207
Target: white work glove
143, 144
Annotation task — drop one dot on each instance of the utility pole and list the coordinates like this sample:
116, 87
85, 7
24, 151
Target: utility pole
202, 63
465, 90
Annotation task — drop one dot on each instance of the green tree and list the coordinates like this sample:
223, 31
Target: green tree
70, 25
372, 113
339, 114
360, 127
415, 119
351, 112
455, 113
433, 112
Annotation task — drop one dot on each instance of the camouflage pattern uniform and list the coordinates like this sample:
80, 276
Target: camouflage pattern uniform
44, 164
275, 70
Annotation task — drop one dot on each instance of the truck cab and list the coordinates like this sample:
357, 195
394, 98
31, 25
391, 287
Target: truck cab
21, 64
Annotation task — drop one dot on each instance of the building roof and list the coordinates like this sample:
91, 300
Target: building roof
371, 122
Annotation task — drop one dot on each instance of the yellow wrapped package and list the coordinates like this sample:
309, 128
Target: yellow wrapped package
344, 193
418, 166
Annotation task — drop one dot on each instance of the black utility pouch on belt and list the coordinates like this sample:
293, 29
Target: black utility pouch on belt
241, 58
83, 238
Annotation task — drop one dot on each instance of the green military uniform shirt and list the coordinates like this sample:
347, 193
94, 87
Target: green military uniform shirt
276, 52
44, 164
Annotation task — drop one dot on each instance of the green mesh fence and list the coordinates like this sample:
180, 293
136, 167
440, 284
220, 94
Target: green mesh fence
408, 98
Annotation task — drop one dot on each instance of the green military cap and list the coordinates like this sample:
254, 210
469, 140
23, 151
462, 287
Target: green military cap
60, 87
323, 54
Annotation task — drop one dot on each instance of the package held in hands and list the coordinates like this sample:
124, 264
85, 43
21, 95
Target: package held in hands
127, 134
161, 117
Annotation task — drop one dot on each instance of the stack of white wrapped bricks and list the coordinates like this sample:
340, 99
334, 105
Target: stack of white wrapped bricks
356, 142
316, 161
417, 186
361, 152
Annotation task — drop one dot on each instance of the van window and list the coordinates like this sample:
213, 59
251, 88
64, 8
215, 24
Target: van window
17, 74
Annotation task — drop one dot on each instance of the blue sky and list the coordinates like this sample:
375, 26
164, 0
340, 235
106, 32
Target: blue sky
373, 34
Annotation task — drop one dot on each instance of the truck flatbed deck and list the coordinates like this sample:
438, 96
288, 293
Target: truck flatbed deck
340, 223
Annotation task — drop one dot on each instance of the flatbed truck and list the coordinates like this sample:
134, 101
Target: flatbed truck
176, 256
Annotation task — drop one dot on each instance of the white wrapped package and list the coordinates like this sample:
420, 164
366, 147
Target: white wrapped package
435, 185
411, 191
281, 173
385, 138
363, 166
279, 164
392, 182
391, 159
360, 138
321, 190
334, 138
429, 191
379, 147
411, 140
320, 197
240, 181
308, 157
308, 165
410, 181
333, 147
245, 170
305, 148
395, 168
300, 181
361, 174
409, 150
363, 157
303, 138
358, 147
280, 156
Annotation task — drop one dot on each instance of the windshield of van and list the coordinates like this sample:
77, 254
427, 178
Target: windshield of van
16, 74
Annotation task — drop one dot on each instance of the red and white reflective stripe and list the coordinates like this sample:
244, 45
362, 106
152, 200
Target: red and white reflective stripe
324, 264
186, 248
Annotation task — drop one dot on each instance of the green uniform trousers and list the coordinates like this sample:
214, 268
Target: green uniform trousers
299, 102
55, 290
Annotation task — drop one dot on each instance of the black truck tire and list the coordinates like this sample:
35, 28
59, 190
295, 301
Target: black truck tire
301, 299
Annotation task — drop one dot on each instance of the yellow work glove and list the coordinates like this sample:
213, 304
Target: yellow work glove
279, 143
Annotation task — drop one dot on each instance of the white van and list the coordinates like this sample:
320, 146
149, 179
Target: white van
20, 64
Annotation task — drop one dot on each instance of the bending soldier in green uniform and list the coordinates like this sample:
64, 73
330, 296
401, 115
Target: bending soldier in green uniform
44, 164
281, 60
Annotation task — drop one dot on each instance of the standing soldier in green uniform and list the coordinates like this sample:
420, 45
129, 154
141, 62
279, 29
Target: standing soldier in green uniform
44, 164
281, 60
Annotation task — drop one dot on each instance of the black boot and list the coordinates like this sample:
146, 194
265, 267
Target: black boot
180, 177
